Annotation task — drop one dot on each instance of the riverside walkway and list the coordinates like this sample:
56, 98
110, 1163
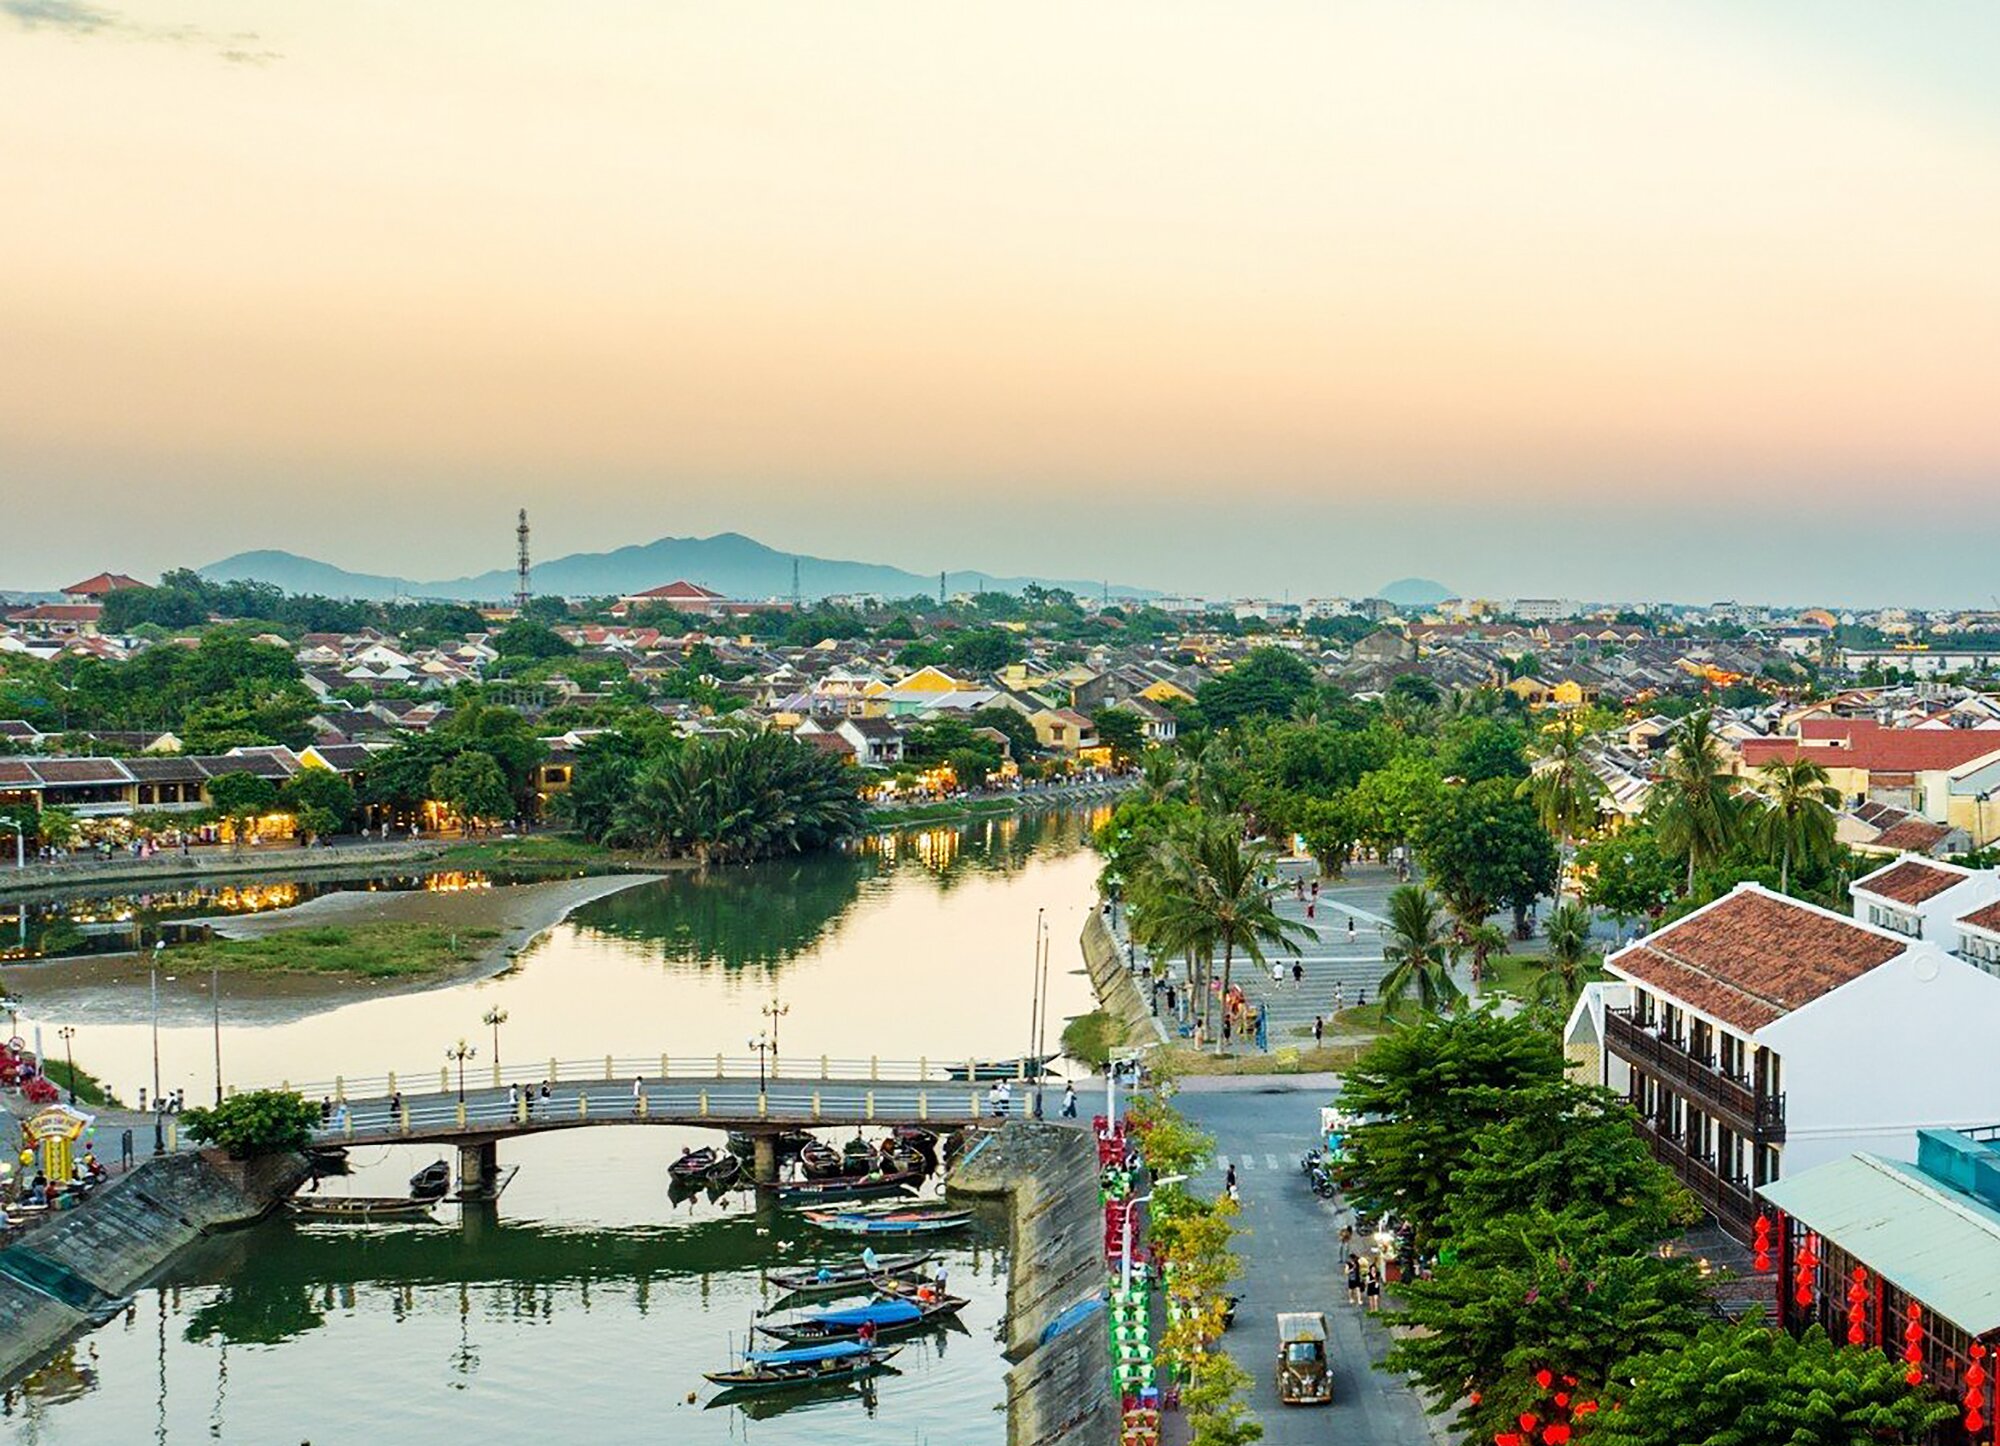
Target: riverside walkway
706, 1091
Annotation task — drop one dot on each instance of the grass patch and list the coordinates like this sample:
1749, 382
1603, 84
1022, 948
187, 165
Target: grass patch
89, 1089
359, 951
1089, 1037
542, 850
1184, 1059
1513, 974
896, 816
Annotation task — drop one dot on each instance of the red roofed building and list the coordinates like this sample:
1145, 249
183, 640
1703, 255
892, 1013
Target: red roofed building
1760, 1035
690, 597
96, 589
1939, 773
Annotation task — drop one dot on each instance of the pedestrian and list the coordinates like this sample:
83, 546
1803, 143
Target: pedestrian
1173, 1000
1373, 1289
1277, 973
1006, 1097
1353, 1279
1361, 1000
395, 1107
1298, 974
1315, 888
1227, 1026
1319, 1031
1339, 996
545, 1089
1069, 1102
1350, 928
638, 1093
994, 1104
1229, 1181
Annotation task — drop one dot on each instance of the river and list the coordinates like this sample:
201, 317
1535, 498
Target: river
587, 1305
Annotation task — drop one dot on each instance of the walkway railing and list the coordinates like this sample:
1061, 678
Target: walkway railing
601, 1069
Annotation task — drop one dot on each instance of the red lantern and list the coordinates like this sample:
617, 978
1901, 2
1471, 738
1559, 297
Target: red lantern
1857, 1307
1528, 1420
1508, 1438
1807, 1262
1556, 1434
1545, 1379
1761, 1243
1975, 1393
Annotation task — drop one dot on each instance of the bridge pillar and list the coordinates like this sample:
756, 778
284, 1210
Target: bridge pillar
764, 1159
478, 1168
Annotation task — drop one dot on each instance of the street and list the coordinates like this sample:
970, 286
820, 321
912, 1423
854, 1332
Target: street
1290, 1250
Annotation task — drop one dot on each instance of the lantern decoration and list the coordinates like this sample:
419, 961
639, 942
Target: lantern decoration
1975, 1393
1509, 1438
1913, 1343
1545, 1378
1807, 1263
1857, 1307
1760, 1244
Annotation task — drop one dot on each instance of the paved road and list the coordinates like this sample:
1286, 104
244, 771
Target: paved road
1290, 1252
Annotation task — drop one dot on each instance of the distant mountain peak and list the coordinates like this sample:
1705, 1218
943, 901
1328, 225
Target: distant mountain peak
1415, 592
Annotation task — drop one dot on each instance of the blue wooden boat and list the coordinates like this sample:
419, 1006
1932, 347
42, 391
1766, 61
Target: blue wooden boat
812, 1365
925, 1222
887, 1317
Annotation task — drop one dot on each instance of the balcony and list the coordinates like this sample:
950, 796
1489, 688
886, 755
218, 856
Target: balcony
1729, 1099
1729, 1201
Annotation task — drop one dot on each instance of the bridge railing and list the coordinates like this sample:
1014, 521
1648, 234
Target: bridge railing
443, 1078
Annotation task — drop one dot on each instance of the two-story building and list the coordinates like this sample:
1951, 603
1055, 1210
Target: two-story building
1761, 1035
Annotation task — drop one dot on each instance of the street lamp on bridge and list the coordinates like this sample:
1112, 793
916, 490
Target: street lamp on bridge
775, 1011
763, 1045
461, 1052
495, 1017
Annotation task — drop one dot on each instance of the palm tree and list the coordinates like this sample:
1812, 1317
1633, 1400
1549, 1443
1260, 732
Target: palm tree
1483, 941
1213, 891
1796, 816
1696, 811
1418, 950
1563, 787
1568, 967
1160, 776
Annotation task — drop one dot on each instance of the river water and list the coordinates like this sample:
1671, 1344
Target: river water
586, 1306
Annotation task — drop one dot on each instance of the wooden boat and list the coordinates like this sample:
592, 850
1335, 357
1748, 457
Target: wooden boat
1023, 1067
431, 1182
724, 1172
858, 1156
693, 1164
789, 1142
825, 1192
900, 1159
854, 1275
819, 1161
888, 1317
816, 1364
929, 1223
360, 1208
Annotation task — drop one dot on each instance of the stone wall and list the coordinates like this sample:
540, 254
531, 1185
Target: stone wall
1118, 993
1059, 1392
63, 1274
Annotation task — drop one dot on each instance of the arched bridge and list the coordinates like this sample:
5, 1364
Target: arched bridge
711, 1091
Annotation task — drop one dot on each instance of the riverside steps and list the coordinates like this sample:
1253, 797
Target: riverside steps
707, 1091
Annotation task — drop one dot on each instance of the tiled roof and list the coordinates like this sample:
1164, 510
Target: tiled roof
1987, 917
1864, 743
1753, 957
1910, 881
1912, 835
80, 772
14, 773
166, 770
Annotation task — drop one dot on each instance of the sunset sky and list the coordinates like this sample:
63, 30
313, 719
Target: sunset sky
1594, 299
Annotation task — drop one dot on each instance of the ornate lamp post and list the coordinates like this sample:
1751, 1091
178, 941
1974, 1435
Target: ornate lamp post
159, 1123
495, 1017
461, 1052
69, 1054
762, 1044
775, 1011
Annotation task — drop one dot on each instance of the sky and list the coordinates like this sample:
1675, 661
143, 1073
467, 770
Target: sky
1578, 298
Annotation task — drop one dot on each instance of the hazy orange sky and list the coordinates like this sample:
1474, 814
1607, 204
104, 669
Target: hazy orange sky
1594, 299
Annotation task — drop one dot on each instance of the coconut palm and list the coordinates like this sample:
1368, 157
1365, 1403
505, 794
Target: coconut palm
1213, 890
1563, 787
737, 796
1481, 940
1569, 966
1160, 776
1696, 811
1418, 947
1794, 818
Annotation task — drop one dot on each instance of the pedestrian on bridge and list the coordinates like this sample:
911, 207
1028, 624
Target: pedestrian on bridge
638, 1092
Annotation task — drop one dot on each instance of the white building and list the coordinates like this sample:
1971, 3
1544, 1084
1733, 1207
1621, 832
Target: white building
1760, 1036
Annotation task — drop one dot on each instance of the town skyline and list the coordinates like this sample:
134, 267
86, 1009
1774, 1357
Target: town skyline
1577, 301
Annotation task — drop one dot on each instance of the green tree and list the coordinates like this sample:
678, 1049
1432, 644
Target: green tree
1022, 744
1483, 847
1330, 828
1418, 947
1626, 875
1744, 1384
241, 798
259, 1122
525, 639
1532, 1293
1694, 809
1392, 802
1568, 964
738, 796
1122, 731
318, 796
600, 781
1428, 1087
472, 786
1793, 817
1563, 788
1269, 682
981, 651
1475, 748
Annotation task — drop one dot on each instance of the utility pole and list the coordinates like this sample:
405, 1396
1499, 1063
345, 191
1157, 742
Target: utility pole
940, 588
796, 600
521, 589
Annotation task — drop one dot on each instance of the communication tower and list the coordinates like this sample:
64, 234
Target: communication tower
521, 588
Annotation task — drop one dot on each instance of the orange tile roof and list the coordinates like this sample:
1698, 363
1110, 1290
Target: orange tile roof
1753, 957
1985, 918
1864, 743
1909, 881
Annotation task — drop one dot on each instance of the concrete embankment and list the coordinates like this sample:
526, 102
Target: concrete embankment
1118, 993
68, 1272
1059, 1391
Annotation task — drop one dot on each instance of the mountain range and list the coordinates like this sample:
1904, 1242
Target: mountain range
729, 563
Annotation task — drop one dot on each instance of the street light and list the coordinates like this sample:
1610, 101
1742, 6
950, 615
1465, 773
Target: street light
67, 1034
774, 1011
461, 1052
12, 1004
762, 1044
215, 1000
1125, 1241
159, 1125
496, 1016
